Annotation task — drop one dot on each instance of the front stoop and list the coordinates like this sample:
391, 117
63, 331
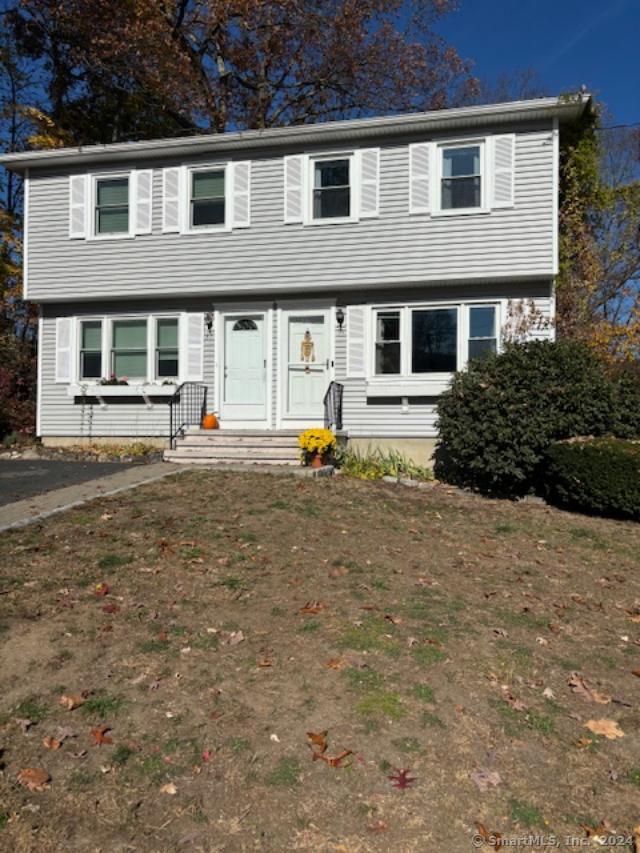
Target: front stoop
235, 447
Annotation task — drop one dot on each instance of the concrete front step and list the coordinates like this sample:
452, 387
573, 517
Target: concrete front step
246, 433
205, 459
225, 440
248, 453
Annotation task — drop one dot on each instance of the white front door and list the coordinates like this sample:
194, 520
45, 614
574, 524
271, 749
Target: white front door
307, 364
244, 381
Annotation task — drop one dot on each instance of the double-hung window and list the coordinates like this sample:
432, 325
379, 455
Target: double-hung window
388, 353
129, 349
111, 206
91, 349
167, 358
331, 188
461, 177
207, 207
483, 335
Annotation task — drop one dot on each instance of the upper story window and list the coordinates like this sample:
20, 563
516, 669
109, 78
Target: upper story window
91, 349
112, 205
332, 188
207, 198
483, 334
461, 177
129, 349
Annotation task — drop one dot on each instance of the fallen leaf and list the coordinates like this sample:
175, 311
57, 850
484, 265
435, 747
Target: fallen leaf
338, 572
412, 641
25, 725
101, 589
598, 833
274, 738
378, 826
336, 761
206, 755
510, 699
483, 779
111, 608
499, 632
401, 779
335, 663
234, 638
548, 693
607, 728
312, 607
34, 778
169, 788
490, 837
580, 687
51, 743
64, 732
99, 735
395, 620
71, 702
318, 741
636, 672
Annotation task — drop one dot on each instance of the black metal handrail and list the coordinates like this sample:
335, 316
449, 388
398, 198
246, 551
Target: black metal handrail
333, 406
187, 407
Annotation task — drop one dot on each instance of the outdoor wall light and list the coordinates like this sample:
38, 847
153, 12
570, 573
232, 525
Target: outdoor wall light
340, 318
208, 321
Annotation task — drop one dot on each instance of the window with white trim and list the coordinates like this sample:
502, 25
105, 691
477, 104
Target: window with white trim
129, 349
461, 177
167, 361
483, 333
90, 349
434, 340
111, 214
388, 353
331, 188
207, 202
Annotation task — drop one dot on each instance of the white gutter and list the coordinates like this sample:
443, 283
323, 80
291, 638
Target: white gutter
560, 109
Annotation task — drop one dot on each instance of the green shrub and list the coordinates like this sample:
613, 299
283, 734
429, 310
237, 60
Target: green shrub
600, 475
500, 416
375, 464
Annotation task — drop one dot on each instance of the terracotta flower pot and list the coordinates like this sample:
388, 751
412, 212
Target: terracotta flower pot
317, 461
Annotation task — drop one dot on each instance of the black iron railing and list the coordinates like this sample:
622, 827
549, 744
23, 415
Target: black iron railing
333, 406
187, 407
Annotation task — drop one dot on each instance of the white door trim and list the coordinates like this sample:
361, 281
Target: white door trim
220, 317
328, 312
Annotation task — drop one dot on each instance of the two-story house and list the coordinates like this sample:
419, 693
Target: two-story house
380, 254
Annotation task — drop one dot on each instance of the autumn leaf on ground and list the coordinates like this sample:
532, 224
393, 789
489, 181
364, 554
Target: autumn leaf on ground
607, 728
51, 743
336, 761
34, 778
335, 663
378, 826
318, 741
636, 672
233, 638
101, 589
100, 735
580, 687
598, 834
111, 608
484, 778
73, 701
401, 779
169, 788
25, 725
490, 837
510, 699
312, 607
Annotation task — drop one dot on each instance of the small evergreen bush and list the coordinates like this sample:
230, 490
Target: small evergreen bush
600, 476
500, 416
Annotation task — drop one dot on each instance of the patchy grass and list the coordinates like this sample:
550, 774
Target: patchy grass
443, 623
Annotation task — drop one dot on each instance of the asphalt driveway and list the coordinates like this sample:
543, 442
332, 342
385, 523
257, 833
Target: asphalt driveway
21, 479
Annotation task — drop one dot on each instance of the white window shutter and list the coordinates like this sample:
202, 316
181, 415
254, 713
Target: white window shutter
192, 353
356, 340
369, 182
78, 204
64, 349
503, 170
242, 194
171, 186
142, 200
294, 188
420, 177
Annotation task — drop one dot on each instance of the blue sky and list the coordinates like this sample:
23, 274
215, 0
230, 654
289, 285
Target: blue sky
568, 42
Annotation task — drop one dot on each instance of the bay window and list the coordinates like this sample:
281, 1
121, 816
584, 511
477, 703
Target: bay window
129, 349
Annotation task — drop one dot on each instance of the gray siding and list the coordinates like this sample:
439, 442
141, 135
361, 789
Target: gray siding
271, 257
60, 415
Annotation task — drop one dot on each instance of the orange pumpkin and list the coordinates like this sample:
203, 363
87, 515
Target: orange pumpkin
210, 422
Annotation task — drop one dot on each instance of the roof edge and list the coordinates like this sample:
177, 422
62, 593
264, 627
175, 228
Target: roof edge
564, 108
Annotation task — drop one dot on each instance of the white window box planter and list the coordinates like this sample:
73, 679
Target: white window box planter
146, 391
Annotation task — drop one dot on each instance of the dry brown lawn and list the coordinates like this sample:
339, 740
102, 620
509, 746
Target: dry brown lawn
204, 625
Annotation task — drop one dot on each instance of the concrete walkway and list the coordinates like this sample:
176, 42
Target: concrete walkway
21, 513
